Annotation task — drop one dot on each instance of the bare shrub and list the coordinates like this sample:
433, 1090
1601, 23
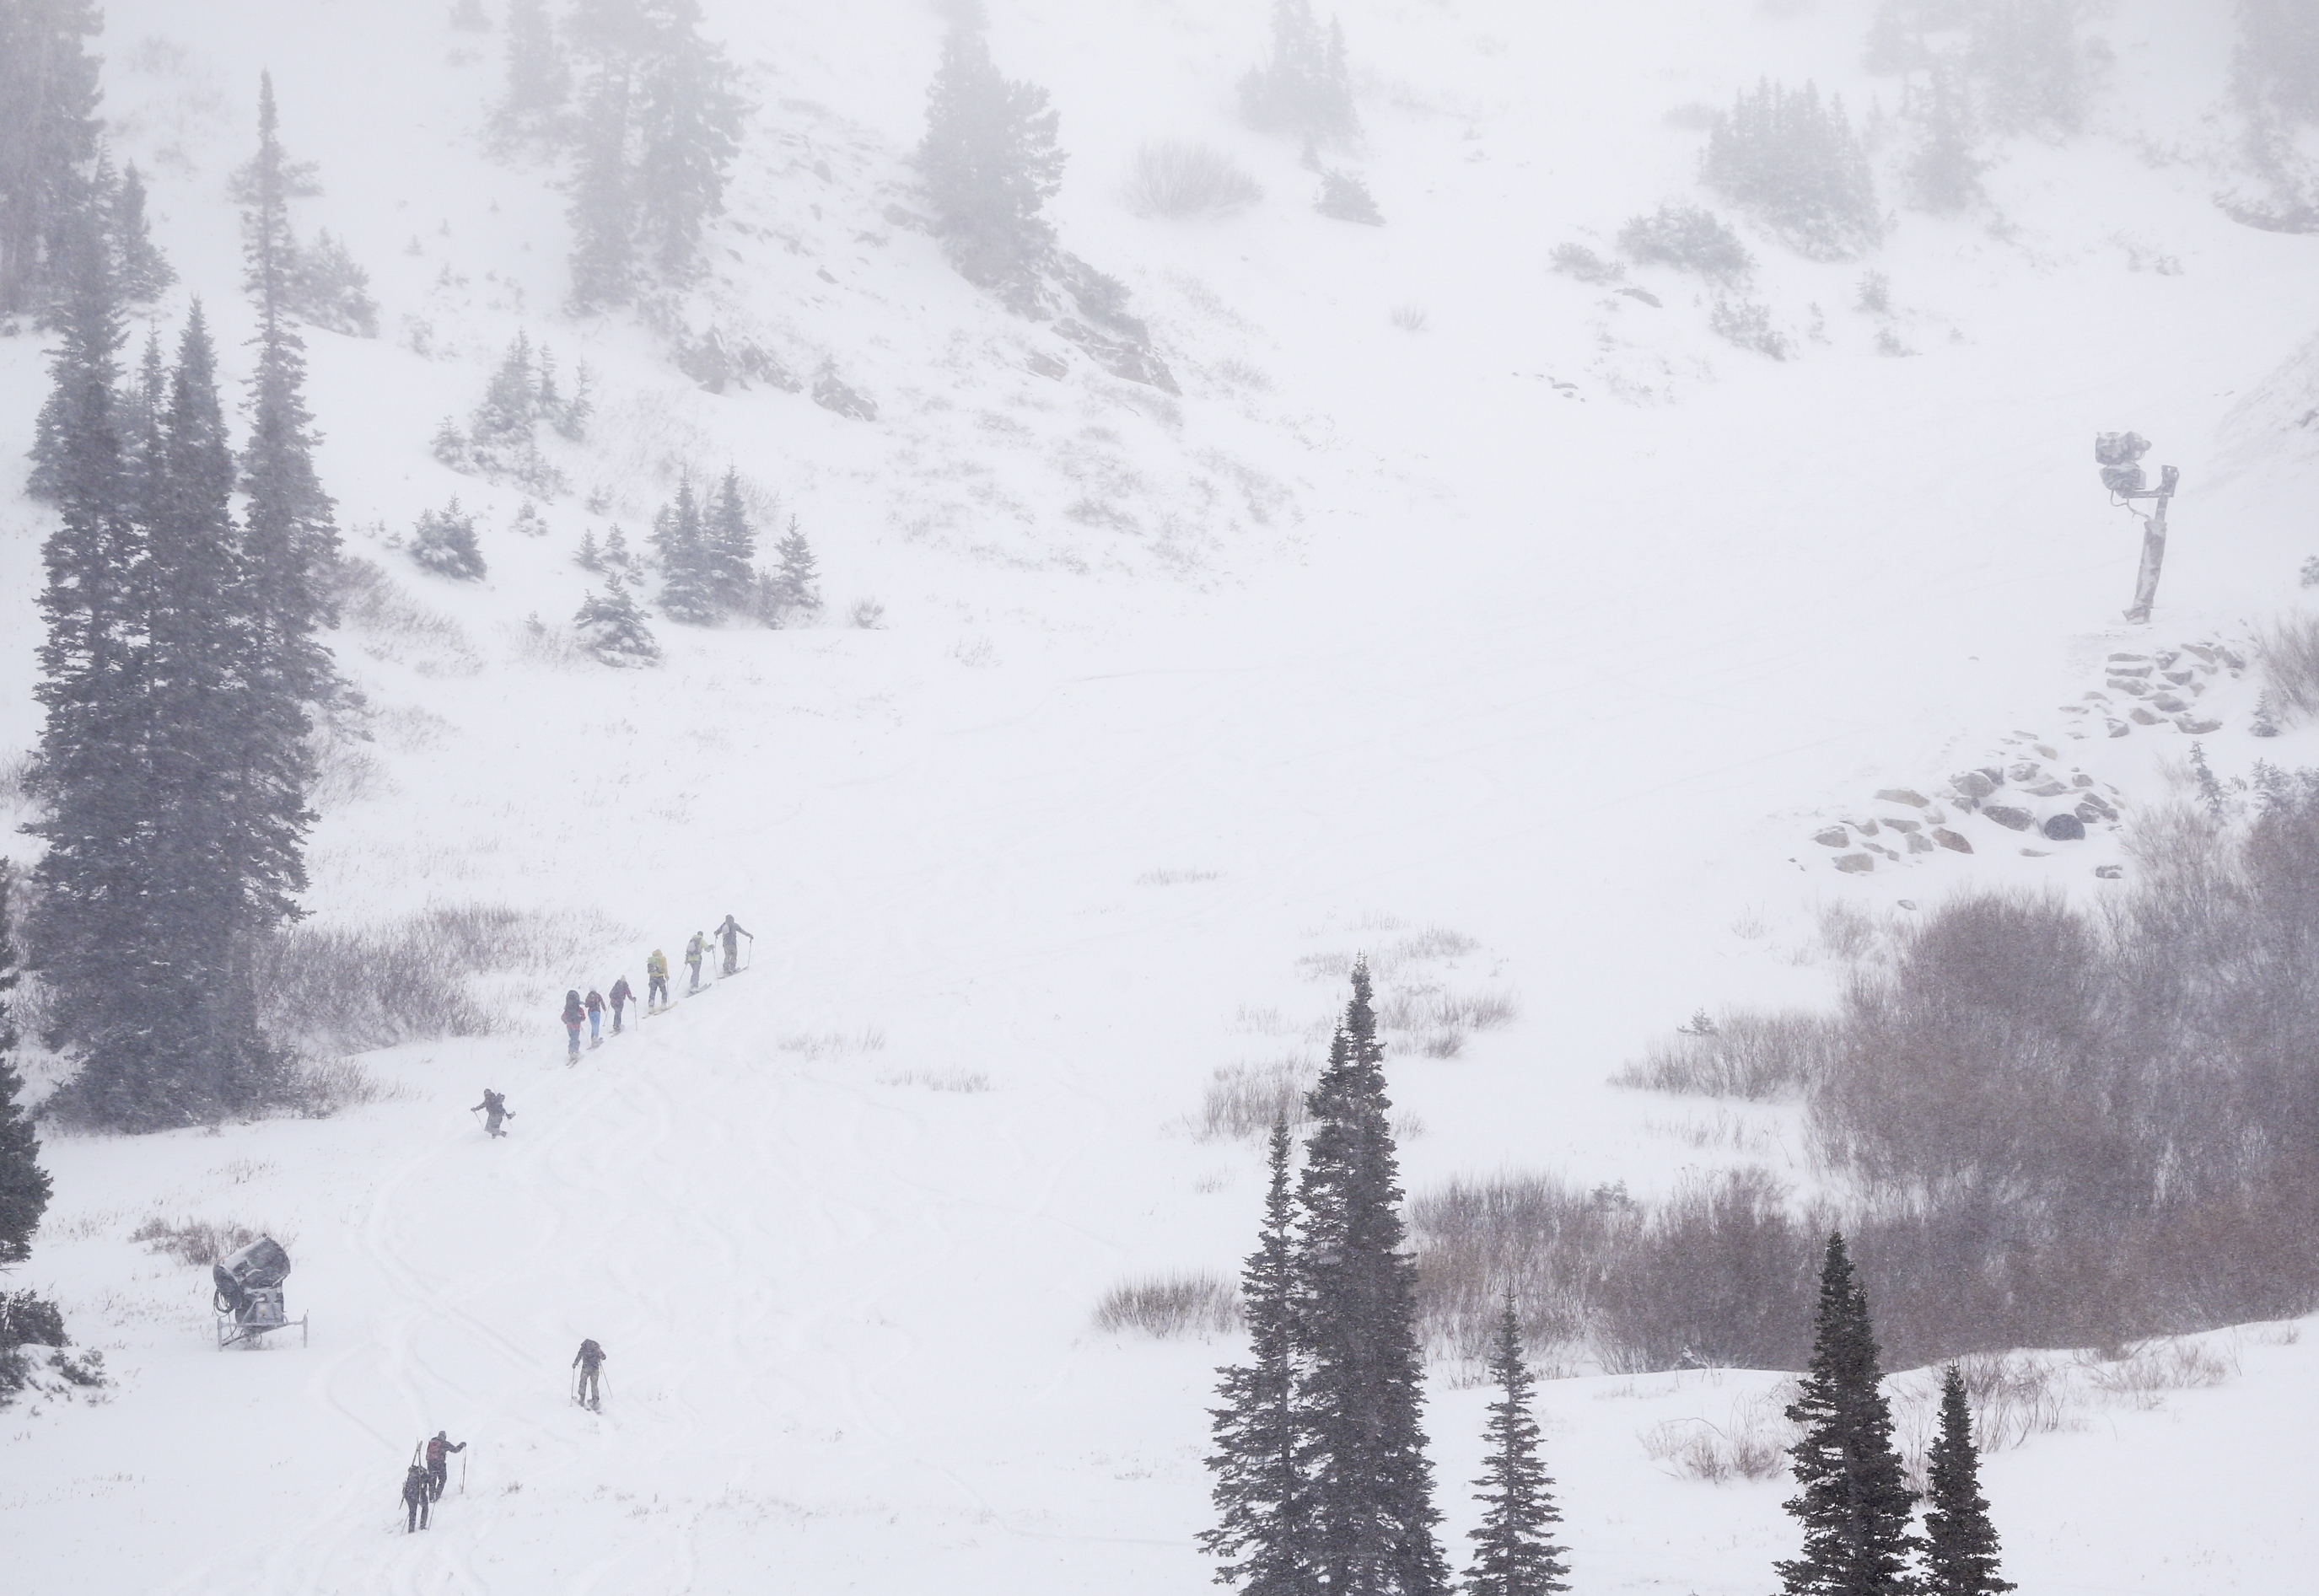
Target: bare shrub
322, 1087
16, 778
345, 772
2288, 650
1437, 942
1745, 1054
1410, 318
1747, 324
1544, 1240
1171, 178
366, 986
1175, 877
818, 1044
1752, 1444
2143, 1377
1245, 1101
1576, 260
199, 1242
1168, 1305
939, 1080
1436, 1011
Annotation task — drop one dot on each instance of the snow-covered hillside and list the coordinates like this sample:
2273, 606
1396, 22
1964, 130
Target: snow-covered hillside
1450, 593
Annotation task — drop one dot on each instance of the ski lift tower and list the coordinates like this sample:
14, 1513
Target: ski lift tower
2119, 455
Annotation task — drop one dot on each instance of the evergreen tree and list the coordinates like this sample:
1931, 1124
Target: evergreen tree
2276, 70
730, 547
23, 1183
330, 290
589, 557
1944, 176
688, 132
290, 531
1513, 1553
603, 202
1361, 1387
144, 271
1259, 1491
539, 76
989, 161
1794, 161
503, 419
444, 542
49, 129
688, 587
320, 284
614, 629
1852, 1500
1305, 88
795, 582
1960, 1542
616, 551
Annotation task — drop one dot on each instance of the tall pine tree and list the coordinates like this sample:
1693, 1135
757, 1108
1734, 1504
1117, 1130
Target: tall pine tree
1360, 1389
688, 587
23, 1183
989, 161
1851, 1499
1262, 1528
731, 547
1960, 1542
1513, 1553
49, 97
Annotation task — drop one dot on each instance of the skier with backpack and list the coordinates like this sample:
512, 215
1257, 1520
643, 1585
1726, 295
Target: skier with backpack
589, 1390
730, 933
595, 1018
575, 1016
440, 1449
415, 1497
622, 995
495, 1109
693, 950
656, 981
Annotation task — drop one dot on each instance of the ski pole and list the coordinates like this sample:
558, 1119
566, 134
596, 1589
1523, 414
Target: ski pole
462, 1468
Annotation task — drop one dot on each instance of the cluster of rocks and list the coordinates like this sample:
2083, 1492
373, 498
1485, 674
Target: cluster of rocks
2158, 688
2031, 797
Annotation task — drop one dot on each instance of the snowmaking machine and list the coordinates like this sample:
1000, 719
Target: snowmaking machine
249, 1301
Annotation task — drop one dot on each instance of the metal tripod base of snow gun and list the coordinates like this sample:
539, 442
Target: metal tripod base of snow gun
249, 1304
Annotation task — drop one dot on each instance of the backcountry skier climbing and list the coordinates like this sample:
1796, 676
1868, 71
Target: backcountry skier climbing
657, 980
621, 995
693, 950
575, 1016
595, 1018
415, 1498
495, 1109
589, 1360
730, 933
440, 1447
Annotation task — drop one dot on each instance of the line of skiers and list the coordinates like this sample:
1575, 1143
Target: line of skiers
588, 1011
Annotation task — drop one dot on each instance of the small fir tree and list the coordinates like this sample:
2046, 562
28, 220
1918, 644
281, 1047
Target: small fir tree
143, 271
49, 132
1792, 158
1852, 1502
1345, 197
1942, 175
616, 551
688, 587
989, 161
613, 627
1513, 1553
1361, 1383
23, 1183
603, 209
589, 557
730, 547
1960, 1553
1305, 87
796, 579
329, 289
1261, 1530
444, 542
688, 130
538, 74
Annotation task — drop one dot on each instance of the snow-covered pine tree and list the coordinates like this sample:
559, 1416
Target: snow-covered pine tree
330, 289
688, 130
1942, 175
143, 271
23, 1183
613, 627
603, 209
1513, 1553
1305, 87
1345, 197
502, 420
2027, 61
444, 542
589, 557
320, 284
1852, 1502
796, 579
290, 532
539, 76
990, 162
688, 590
1793, 160
730, 547
1262, 1528
49, 85
1960, 1552
616, 551
1361, 1387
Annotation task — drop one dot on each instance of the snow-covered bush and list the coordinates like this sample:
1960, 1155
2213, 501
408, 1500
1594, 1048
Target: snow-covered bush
613, 628
444, 542
1576, 260
325, 286
1688, 237
2288, 652
501, 441
1741, 1054
1169, 178
1793, 160
1747, 323
1345, 197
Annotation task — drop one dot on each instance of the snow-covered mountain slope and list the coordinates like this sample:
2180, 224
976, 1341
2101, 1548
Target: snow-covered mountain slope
1556, 622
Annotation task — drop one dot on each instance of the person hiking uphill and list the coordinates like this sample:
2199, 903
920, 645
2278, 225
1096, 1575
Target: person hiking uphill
415, 1498
589, 1360
730, 933
595, 1018
656, 981
438, 1462
622, 995
495, 1109
575, 1016
693, 950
